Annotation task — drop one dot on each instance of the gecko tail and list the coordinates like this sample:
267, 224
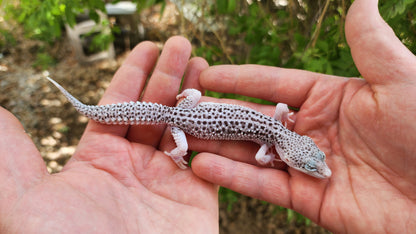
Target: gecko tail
132, 113
79, 106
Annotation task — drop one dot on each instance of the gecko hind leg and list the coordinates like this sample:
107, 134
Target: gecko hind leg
181, 149
191, 98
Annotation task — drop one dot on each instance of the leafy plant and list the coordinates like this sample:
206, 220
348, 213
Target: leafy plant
43, 61
43, 19
229, 197
6, 39
401, 15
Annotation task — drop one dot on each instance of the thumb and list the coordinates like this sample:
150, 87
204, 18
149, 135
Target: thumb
378, 54
21, 164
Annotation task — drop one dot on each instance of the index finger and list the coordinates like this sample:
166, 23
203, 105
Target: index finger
274, 84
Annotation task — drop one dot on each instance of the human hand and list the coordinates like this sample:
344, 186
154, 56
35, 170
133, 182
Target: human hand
117, 181
366, 127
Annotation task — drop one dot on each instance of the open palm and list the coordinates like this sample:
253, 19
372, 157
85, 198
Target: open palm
365, 126
117, 181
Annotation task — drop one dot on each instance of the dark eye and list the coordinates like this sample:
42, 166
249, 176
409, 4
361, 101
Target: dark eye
310, 167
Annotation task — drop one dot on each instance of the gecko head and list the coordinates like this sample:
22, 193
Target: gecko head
306, 157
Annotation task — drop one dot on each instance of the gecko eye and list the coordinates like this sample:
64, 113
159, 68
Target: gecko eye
322, 155
310, 167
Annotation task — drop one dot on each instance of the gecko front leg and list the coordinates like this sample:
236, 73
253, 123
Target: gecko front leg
191, 98
282, 114
263, 157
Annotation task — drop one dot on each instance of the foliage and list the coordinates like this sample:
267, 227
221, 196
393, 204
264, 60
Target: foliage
99, 41
295, 216
6, 39
308, 36
229, 197
401, 15
43, 19
43, 61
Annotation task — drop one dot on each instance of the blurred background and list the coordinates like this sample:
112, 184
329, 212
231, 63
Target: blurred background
82, 43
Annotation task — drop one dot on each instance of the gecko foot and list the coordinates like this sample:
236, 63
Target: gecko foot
191, 96
265, 159
177, 157
283, 115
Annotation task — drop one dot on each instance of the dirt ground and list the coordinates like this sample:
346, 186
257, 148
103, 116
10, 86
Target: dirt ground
56, 127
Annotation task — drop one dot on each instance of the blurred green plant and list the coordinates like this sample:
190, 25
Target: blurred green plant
401, 15
306, 36
44, 19
6, 39
43, 61
100, 40
228, 197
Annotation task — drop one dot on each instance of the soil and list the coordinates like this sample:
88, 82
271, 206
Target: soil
56, 127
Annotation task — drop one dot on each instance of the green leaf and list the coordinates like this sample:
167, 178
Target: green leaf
94, 16
231, 6
222, 6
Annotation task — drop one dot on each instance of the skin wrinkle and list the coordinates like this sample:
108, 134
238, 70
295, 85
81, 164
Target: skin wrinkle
258, 192
337, 128
167, 80
18, 199
126, 212
273, 85
316, 110
350, 167
139, 72
76, 188
236, 84
402, 173
113, 174
260, 182
145, 160
278, 189
379, 172
235, 182
324, 197
353, 193
103, 167
155, 223
409, 217
348, 163
228, 182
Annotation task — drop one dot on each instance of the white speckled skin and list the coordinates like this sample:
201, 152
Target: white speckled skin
217, 122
